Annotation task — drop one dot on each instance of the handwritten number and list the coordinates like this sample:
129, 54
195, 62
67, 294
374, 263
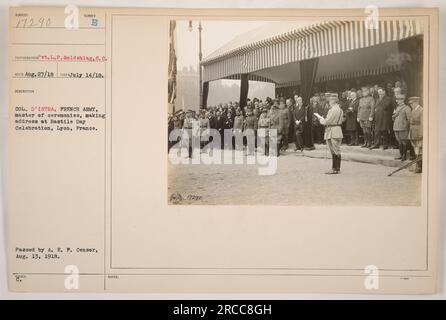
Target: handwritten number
31, 23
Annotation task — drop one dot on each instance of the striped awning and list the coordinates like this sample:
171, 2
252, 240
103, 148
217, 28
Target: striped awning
251, 77
346, 75
316, 40
360, 73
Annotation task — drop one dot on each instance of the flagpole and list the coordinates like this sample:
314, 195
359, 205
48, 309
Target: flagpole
200, 56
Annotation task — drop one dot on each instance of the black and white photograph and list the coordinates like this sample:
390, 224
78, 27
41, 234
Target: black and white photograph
309, 113
304, 153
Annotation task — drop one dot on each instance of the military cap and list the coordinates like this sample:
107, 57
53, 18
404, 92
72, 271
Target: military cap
331, 95
415, 99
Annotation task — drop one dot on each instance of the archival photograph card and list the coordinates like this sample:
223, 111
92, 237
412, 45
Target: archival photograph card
223, 150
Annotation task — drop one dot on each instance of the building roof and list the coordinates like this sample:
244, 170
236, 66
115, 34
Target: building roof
263, 34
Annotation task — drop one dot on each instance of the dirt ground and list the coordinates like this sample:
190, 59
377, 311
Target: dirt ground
299, 180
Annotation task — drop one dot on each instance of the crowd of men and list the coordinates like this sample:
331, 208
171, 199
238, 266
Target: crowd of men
372, 117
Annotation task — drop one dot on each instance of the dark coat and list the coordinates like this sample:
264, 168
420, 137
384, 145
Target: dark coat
220, 123
299, 115
309, 110
308, 124
351, 114
212, 122
382, 114
229, 122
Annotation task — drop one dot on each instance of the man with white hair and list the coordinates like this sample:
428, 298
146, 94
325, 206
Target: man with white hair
351, 125
382, 116
299, 118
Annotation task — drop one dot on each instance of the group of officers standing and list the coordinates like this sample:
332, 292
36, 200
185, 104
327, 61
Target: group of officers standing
379, 115
386, 118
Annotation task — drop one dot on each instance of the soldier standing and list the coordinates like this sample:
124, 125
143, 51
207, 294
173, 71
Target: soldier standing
401, 125
238, 129
276, 123
263, 127
416, 130
204, 129
365, 107
187, 131
250, 131
333, 132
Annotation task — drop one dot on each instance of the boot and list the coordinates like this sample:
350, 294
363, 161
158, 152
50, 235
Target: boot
404, 153
419, 167
369, 140
338, 164
401, 153
366, 141
375, 144
333, 165
356, 141
412, 155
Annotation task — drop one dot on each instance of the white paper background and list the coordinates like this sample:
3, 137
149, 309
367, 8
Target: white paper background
4, 4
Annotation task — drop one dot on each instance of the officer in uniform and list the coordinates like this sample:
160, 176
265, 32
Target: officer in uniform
187, 131
276, 123
250, 130
204, 128
401, 125
416, 130
333, 131
366, 104
237, 129
263, 126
